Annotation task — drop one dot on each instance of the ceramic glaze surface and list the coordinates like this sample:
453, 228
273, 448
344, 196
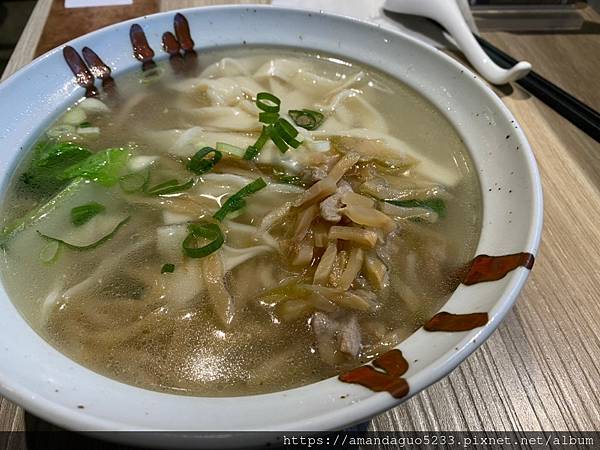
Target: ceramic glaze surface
50, 385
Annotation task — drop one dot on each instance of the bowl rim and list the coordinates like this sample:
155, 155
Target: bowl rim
376, 402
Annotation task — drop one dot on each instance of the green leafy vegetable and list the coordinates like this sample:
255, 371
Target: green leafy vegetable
58, 155
435, 204
135, 182
306, 118
55, 163
103, 167
83, 214
167, 268
237, 201
85, 125
202, 231
170, 187
50, 160
267, 102
199, 164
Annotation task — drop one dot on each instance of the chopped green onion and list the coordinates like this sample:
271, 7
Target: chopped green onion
199, 165
134, 182
84, 213
167, 268
229, 207
230, 149
88, 132
210, 231
306, 118
59, 131
268, 117
253, 150
237, 201
287, 127
291, 179
283, 177
287, 132
85, 125
262, 139
277, 139
267, 102
435, 204
170, 187
49, 252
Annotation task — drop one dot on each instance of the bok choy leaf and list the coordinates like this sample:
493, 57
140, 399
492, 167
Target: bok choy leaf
104, 167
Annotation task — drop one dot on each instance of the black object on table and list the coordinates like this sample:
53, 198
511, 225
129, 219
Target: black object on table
572, 109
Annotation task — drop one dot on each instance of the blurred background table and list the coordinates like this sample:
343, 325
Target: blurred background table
541, 369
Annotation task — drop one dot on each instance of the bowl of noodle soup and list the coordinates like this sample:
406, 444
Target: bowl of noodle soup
261, 218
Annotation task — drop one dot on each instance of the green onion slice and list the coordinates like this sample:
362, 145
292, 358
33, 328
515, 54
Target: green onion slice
199, 165
277, 139
262, 139
306, 118
253, 150
167, 268
287, 132
268, 117
230, 149
283, 177
237, 201
287, 127
210, 231
84, 213
170, 187
230, 206
49, 251
291, 179
267, 102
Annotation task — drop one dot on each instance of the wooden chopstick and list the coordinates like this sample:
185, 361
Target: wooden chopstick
572, 109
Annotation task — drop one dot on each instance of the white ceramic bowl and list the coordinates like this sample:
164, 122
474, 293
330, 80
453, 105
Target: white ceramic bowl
50, 385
